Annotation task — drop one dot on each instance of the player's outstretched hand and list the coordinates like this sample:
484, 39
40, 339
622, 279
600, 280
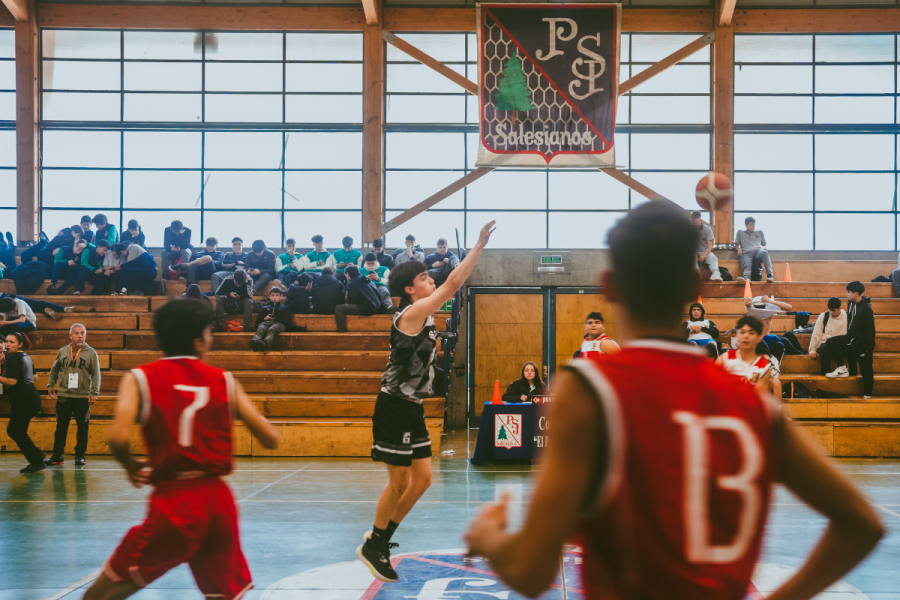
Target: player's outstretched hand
139, 473
485, 234
488, 526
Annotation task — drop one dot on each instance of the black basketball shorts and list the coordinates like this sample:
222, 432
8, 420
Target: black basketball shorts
398, 431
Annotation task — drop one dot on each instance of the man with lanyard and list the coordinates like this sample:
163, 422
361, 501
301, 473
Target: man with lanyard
596, 341
78, 370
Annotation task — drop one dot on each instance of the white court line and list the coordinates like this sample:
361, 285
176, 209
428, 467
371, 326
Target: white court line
889, 511
271, 484
89, 579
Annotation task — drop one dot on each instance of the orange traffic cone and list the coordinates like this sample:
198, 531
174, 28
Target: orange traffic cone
496, 399
748, 293
699, 300
787, 272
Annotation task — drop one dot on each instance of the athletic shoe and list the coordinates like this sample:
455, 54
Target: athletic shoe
379, 562
770, 280
34, 467
54, 460
254, 344
123, 292
75, 293
715, 276
368, 534
740, 280
52, 314
44, 237
79, 461
867, 397
70, 309
9, 238
263, 346
51, 290
839, 372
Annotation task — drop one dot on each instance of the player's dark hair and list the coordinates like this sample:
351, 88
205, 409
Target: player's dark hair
347, 242
317, 239
596, 316
7, 304
403, 277
133, 224
237, 239
104, 244
179, 322
749, 220
410, 238
177, 225
653, 230
856, 286
327, 271
352, 271
752, 322
370, 257
695, 215
99, 220
834, 303
211, 241
119, 247
240, 276
378, 243
277, 290
290, 242
441, 242
691, 311
258, 246
87, 219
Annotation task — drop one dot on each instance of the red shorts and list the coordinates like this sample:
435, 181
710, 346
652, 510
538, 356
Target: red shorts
190, 521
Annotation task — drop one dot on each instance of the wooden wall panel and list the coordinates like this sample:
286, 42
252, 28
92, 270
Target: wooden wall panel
509, 308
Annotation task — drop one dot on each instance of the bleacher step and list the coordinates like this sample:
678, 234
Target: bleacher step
795, 289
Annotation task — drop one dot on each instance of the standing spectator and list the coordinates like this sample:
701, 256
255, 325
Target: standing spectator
299, 299
105, 230
78, 370
86, 227
526, 387
176, 245
829, 337
234, 296
134, 235
362, 298
751, 250
17, 378
91, 269
193, 293
16, 316
379, 275
861, 334
705, 242
67, 265
441, 263
236, 259
134, 268
261, 266
327, 292
289, 265
317, 259
344, 257
385, 260
596, 342
274, 319
701, 331
203, 263
411, 251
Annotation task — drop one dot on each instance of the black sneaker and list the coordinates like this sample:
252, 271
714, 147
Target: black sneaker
34, 467
54, 460
379, 562
254, 345
79, 461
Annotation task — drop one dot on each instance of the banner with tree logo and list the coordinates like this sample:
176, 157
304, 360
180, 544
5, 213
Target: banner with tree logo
548, 84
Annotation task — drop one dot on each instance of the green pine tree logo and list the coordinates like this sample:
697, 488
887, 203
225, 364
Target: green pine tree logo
502, 434
513, 93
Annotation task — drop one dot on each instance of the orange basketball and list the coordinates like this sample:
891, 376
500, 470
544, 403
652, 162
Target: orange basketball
714, 191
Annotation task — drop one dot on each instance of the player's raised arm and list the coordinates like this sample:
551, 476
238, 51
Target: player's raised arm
258, 425
854, 528
119, 436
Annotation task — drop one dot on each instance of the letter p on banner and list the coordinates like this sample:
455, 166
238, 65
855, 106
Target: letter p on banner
548, 84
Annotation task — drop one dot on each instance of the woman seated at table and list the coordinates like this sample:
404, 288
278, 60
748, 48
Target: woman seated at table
524, 389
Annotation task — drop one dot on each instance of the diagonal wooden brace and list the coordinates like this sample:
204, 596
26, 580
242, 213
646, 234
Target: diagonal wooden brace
634, 184
672, 59
393, 40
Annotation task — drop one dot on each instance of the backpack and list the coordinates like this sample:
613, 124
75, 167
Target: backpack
726, 276
830, 395
794, 389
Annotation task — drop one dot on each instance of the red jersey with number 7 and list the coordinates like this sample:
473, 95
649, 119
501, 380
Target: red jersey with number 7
186, 413
679, 508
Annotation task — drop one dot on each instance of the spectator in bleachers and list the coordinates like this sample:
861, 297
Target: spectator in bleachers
829, 337
16, 316
134, 235
327, 292
236, 259
66, 266
193, 292
751, 250
345, 256
274, 319
385, 260
176, 245
748, 361
410, 251
289, 265
86, 227
202, 264
379, 274
362, 298
317, 259
105, 230
234, 296
701, 331
91, 269
7, 254
17, 378
261, 266
37, 261
526, 387
77, 368
705, 242
299, 298
441, 263
134, 269
861, 334
54, 311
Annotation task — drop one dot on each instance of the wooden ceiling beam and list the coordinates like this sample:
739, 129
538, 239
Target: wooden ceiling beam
6, 18
817, 20
727, 12
17, 8
372, 10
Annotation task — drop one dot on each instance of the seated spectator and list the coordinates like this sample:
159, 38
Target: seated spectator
411, 251
236, 259
16, 316
105, 230
748, 361
829, 338
91, 269
596, 341
7, 254
86, 227
379, 275
526, 387
317, 259
765, 308
384, 259
134, 235
202, 264
289, 265
362, 298
54, 311
234, 296
261, 266
67, 266
37, 262
701, 331
751, 250
327, 292
176, 245
274, 319
705, 242
441, 263
347, 255
299, 299
134, 269
193, 292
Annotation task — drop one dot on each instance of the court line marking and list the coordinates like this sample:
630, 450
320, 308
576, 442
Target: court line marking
273, 483
889, 511
75, 586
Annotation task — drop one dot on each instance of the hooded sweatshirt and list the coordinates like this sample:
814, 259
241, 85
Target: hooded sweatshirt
86, 369
861, 325
708, 329
836, 326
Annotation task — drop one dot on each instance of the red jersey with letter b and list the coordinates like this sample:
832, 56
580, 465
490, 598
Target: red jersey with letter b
683, 498
187, 410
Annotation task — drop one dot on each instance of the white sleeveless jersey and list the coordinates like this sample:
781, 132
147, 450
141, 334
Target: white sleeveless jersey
592, 347
752, 372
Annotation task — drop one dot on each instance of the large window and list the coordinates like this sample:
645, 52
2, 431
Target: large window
7, 130
662, 139
256, 135
815, 140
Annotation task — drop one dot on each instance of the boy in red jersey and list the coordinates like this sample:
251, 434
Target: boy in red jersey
666, 485
595, 339
186, 409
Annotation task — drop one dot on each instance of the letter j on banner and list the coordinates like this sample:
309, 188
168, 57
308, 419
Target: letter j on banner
548, 84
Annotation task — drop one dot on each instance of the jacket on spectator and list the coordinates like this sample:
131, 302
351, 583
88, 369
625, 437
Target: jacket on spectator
229, 285
138, 239
88, 236
216, 256
861, 325
265, 263
132, 253
193, 293
821, 332
86, 366
90, 258
231, 261
708, 329
433, 258
350, 257
312, 260
384, 259
66, 254
520, 387
46, 255
363, 294
21, 309
289, 264
182, 240
108, 233
298, 298
281, 311
327, 293
382, 272
400, 256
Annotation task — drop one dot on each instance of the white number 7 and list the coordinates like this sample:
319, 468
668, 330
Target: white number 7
186, 422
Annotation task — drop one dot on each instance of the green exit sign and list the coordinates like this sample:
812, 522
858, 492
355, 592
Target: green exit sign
551, 260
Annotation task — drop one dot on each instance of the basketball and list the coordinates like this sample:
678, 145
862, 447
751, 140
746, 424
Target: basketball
714, 191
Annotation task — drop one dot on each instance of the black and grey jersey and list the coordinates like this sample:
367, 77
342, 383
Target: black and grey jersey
410, 371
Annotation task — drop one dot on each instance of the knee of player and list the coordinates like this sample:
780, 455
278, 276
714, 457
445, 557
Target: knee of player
422, 481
